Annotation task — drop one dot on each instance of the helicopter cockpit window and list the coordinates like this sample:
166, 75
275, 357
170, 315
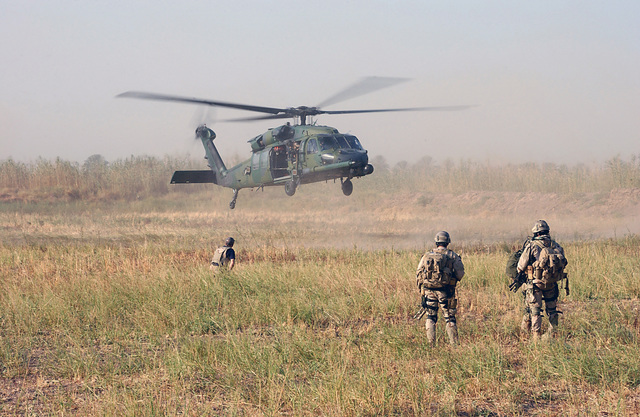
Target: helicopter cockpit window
354, 142
327, 143
312, 146
342, 142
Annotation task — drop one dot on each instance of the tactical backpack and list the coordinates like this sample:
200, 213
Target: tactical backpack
549, 268
436, 271
512, 264
219, 255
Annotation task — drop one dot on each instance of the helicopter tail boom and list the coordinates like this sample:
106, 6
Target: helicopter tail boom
216, 164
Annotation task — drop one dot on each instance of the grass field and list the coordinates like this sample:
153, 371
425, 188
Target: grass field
108, 306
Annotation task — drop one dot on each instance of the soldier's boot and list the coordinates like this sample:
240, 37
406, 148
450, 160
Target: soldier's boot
431, 331
452, 332
553, 328
525, 325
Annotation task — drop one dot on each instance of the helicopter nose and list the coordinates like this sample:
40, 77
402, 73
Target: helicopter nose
357, 158
361, 159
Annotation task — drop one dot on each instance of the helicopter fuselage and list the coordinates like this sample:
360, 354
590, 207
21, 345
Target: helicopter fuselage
286, 156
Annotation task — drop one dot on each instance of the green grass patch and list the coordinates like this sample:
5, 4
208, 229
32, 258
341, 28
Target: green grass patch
146, 330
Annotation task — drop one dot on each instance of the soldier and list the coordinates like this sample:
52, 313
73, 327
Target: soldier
224, 257
543, 261
438, 273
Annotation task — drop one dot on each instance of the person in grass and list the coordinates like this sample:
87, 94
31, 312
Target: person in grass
437, 275
224, 257
544, 262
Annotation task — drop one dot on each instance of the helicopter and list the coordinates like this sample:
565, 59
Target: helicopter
288, 155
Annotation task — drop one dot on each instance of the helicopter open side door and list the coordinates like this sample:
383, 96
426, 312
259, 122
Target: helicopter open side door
278, 162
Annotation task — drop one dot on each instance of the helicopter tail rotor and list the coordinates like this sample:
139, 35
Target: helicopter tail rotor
204, 133
203, 115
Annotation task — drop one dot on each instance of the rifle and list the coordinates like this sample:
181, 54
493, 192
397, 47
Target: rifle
420, 313
423, 310
520, 279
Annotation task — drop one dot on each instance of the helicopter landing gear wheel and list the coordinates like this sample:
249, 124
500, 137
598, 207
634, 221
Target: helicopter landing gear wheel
232, 204
347, 187
290, 187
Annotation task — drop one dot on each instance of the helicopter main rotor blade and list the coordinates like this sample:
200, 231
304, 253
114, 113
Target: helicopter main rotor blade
314, 112
364, 86
440, 108
164, 97
250, 119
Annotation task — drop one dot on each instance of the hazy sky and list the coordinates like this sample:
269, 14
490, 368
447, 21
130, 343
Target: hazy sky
555, 81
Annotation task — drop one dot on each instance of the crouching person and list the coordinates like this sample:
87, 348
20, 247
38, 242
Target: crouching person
224, 257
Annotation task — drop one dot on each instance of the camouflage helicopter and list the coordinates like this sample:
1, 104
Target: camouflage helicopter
288, 155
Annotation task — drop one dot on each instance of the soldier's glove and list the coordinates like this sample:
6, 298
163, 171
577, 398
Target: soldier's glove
424, 302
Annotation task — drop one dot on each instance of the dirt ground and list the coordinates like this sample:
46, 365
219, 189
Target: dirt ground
320, 216
476, 217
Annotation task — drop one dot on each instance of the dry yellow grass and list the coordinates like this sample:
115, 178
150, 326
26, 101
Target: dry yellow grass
108, 307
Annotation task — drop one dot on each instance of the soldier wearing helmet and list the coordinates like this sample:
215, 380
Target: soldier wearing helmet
542, 280
438, 273
224, 256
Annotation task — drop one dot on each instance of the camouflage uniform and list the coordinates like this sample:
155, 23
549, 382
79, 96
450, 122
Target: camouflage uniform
536, 291
444, 297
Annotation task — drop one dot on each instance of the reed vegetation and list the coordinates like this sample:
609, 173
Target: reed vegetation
131, 178
140, 177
